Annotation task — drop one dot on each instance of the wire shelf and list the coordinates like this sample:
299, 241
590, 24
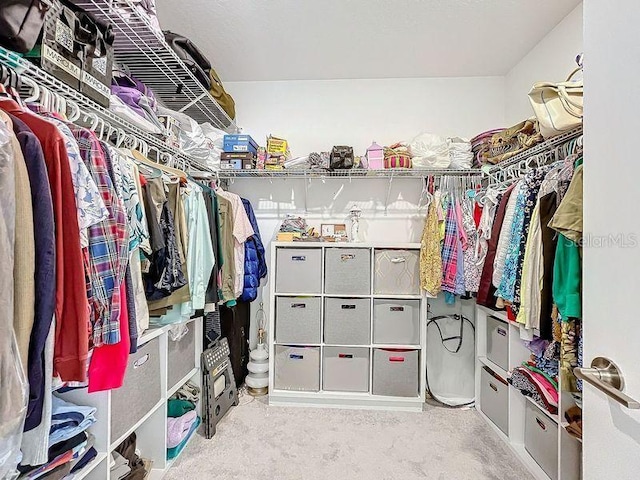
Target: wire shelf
142, 49
31, 71
352, 173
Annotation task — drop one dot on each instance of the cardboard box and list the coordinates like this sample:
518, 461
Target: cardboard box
277, 146
240, 143
237, 164
247, 160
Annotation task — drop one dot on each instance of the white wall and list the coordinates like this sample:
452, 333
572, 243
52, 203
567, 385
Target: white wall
549, 61
315, 115
612, 254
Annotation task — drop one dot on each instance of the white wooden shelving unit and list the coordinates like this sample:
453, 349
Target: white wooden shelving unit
323, 398
568, 448
151, 428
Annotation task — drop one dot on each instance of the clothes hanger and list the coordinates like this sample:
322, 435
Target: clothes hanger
140, 158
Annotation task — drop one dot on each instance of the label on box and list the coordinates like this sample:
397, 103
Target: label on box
64, 36
54, 57
100, 65
95, 84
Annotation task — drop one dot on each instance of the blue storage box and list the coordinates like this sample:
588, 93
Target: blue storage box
240, 143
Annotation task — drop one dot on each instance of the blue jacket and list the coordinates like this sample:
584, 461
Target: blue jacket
255, 264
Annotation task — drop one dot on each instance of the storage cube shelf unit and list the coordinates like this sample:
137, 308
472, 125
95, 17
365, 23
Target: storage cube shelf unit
159, 368
347, 326
533, 434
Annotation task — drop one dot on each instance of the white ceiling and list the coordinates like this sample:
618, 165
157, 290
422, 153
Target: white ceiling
331, 39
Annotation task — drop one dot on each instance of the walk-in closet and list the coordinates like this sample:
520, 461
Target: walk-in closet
319, 240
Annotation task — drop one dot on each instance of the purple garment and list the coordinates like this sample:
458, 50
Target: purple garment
45, 271
178, 428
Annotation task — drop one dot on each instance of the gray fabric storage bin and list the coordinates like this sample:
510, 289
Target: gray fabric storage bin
298, 270
297, 368
141, 390
298, 320
541, 440
347, 321
347, 271
345, 369
498, 342
396, 322
397, 272
494, 400
395, 373
181, 356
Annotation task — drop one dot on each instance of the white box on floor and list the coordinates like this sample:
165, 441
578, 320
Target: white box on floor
345, 369
297, 368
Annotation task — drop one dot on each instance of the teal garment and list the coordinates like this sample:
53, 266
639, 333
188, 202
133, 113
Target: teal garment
567, 278
176, 407
175, 451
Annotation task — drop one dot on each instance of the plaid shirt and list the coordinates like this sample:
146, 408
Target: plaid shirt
107, 253
450, 251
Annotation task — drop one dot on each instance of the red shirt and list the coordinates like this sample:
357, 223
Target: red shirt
72, 307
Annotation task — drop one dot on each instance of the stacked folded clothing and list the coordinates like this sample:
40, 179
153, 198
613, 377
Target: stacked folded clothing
534, 383
183, 421
71, 447
480, 145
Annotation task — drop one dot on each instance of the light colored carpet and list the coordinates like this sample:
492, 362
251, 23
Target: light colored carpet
256, 441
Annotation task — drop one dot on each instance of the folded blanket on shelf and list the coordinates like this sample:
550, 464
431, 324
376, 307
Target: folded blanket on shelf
178, 428
177, 407
174, 452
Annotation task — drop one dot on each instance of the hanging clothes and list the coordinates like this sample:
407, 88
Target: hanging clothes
486, 290
242, 230
431, 254
24, 246
108, 251
504, 238
72, 306
255, 263
44, 274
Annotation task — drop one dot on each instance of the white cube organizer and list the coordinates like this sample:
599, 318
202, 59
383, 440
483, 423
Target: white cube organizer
298, 320
141, 391
297, 368
347, 321
345, 369
498, 342
326, 344
397, 272
395, 373
494, 399
396, 322
347, 271
299, 270
541, 440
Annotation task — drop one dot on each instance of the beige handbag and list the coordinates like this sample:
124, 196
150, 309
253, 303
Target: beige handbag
558, 106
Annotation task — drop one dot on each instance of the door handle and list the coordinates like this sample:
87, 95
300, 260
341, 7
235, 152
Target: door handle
607, 377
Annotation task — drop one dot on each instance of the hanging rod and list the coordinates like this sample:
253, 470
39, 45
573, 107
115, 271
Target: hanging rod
351, 173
